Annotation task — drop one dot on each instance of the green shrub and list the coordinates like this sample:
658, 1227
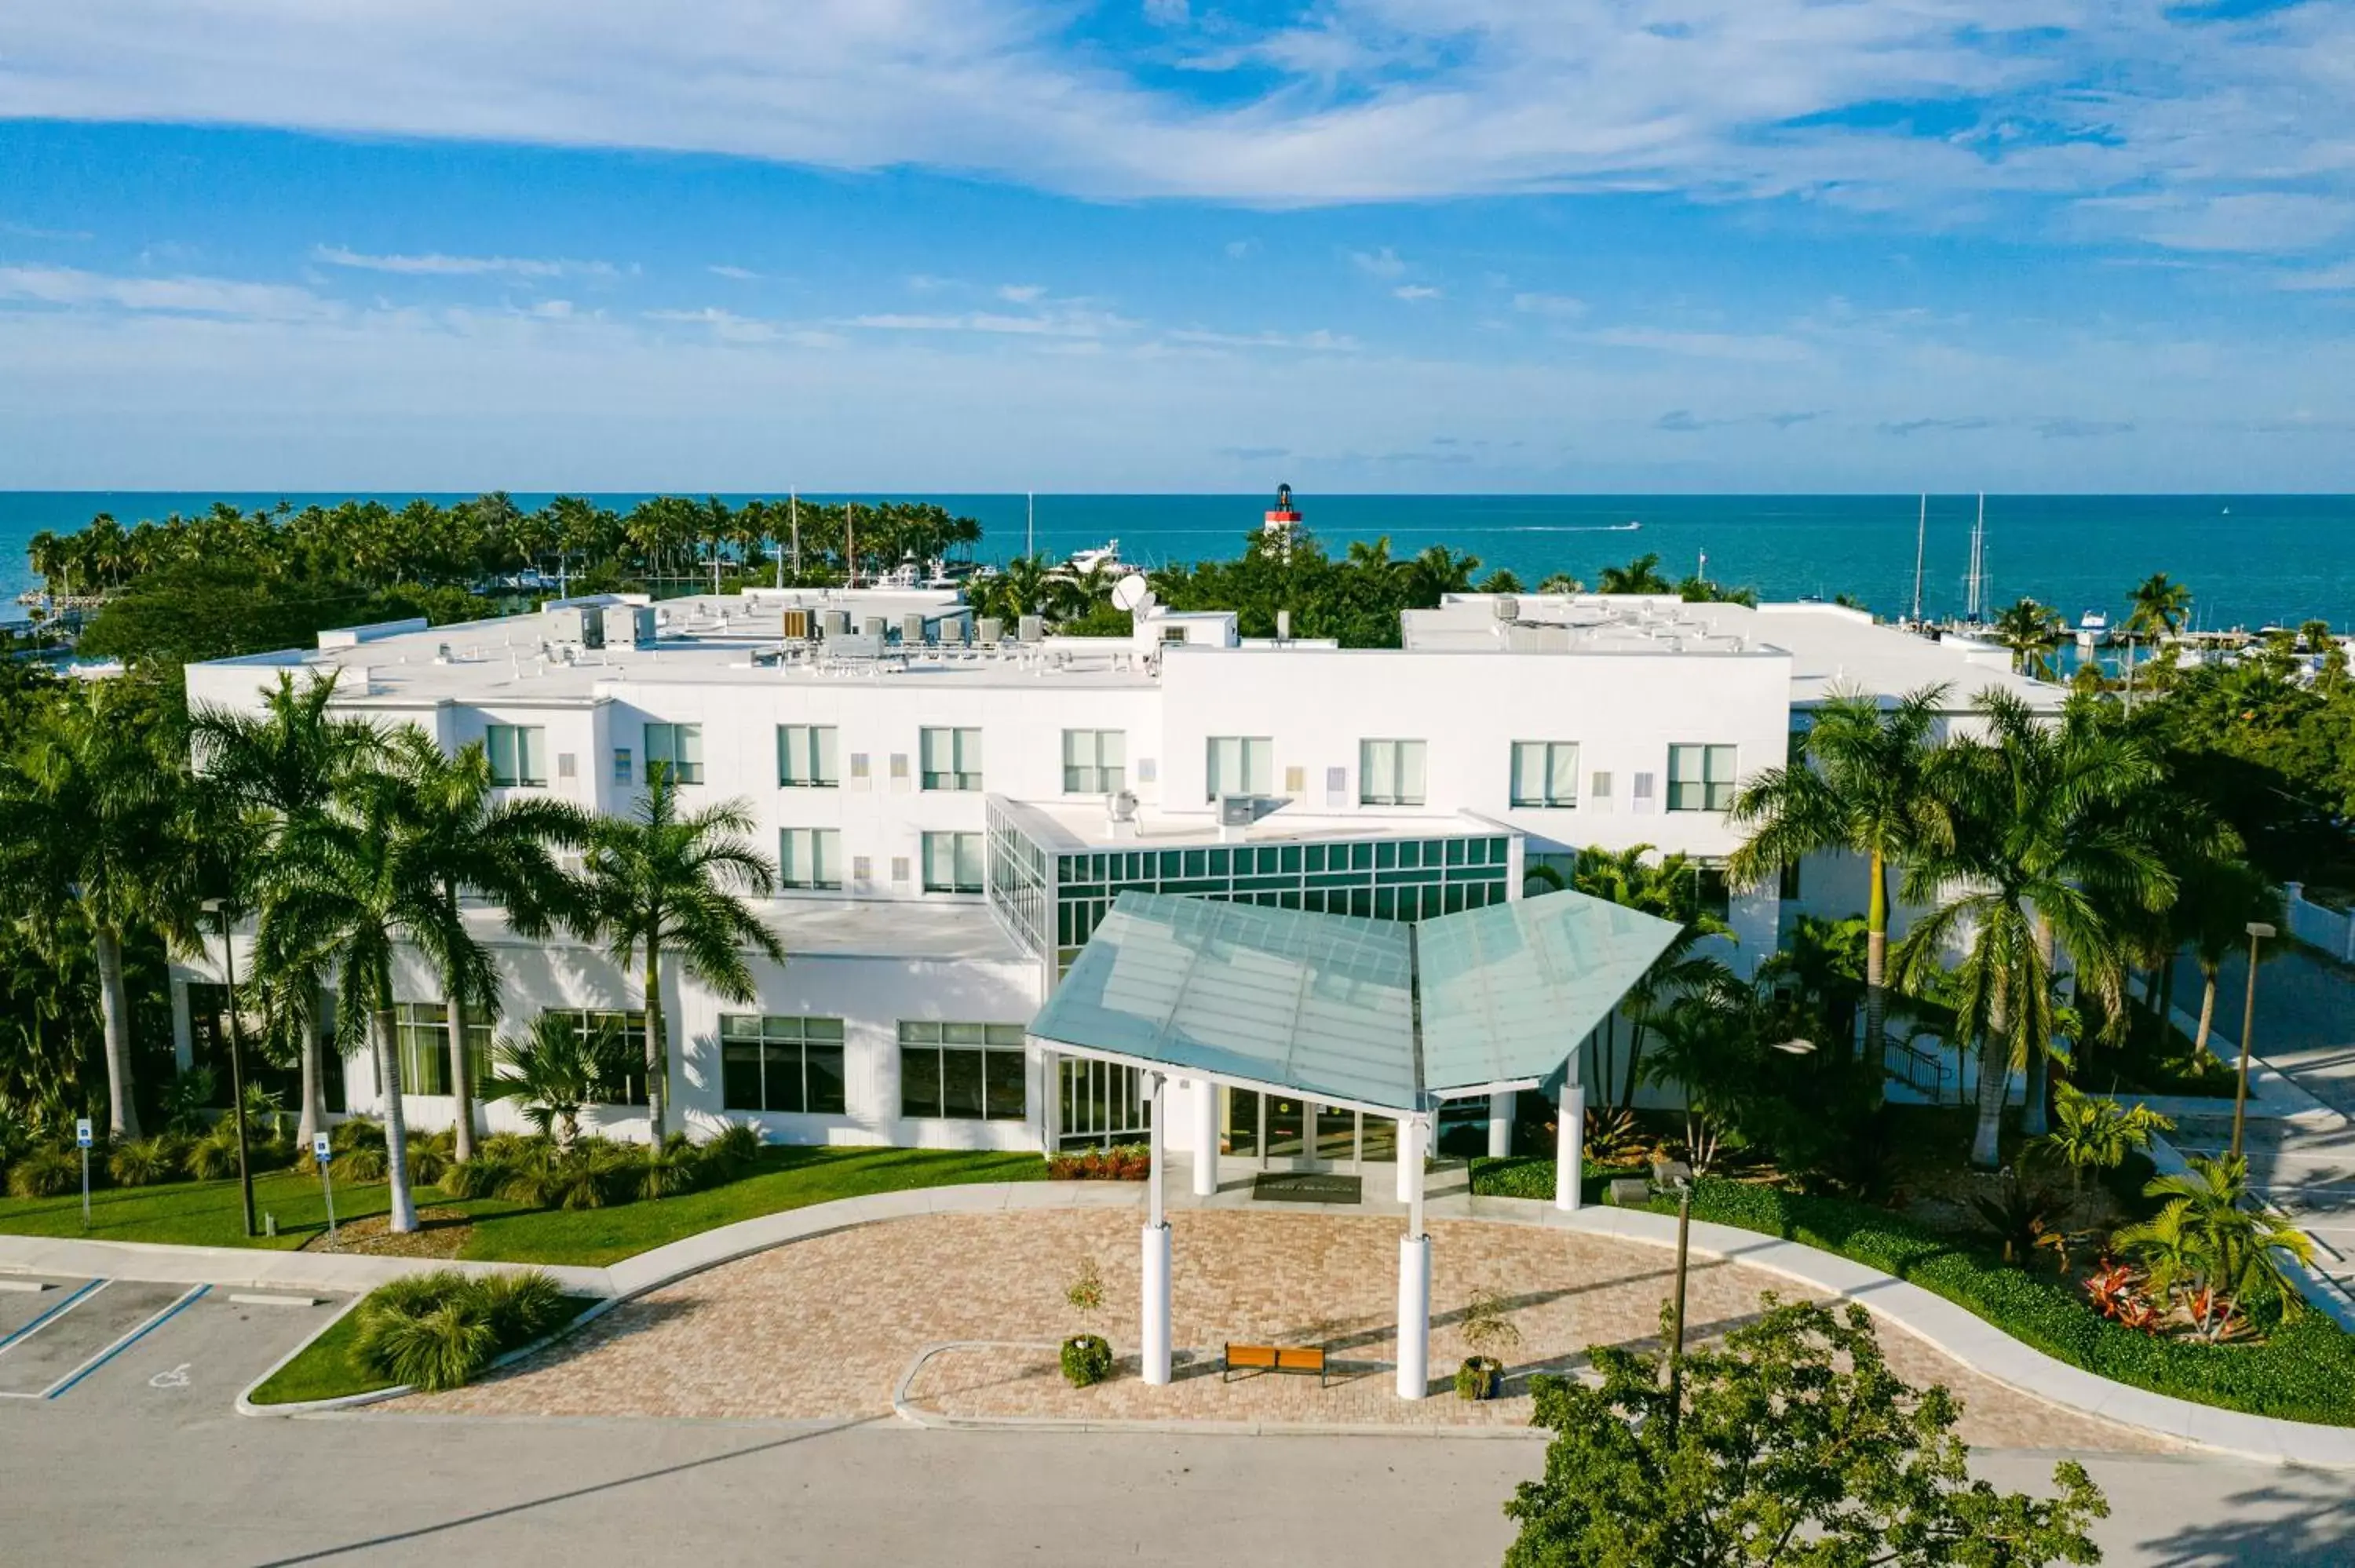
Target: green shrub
665, 1173
732, 1151
2304, 1370
430, 1155
357, 1132
148, 1161
361, 1163
483, 1176
213, 1157
1087, 1359
438, 1331
514, 1147
1528, 1176
46, 1172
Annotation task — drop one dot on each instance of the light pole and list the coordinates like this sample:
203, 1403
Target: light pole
2258, 931
218, 908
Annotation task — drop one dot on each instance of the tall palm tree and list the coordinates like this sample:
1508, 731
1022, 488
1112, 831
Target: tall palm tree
91, 826
662, 883
1438, 571
2220, 897
2034, 849
2157, 608
1669, 887
468, 842
1641, 575
280, 768
1560, 582
1858, 780
2031, 630
344, 888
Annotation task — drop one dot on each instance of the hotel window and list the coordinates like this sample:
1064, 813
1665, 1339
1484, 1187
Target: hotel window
807, 757
952, 758
627, 1031
1390, 772
1241, 765
780, 1063
1700, 778
621, 765
968, 1071
678, 746
1545, 773
952, 863
1094, 761
809, 857
519, 754
421, 1029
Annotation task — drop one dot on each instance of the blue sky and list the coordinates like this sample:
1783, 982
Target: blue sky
1450, 244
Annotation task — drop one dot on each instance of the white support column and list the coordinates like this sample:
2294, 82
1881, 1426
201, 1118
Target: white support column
1410, 1160
1153, 1335
1414, 1272
1500, 1123
1569, 1148
1205, 1138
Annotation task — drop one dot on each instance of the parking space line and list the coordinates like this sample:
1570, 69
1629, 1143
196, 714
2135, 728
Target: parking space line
122, 1344
88, 1289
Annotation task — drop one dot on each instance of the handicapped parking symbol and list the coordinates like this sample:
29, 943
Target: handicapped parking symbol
176, 1378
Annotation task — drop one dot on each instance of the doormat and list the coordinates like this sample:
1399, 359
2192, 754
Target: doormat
1307, 1187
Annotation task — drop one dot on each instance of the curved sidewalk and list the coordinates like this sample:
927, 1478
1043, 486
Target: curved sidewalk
1941, 1323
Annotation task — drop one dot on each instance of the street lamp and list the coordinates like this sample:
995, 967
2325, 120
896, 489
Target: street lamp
2258, 931
218, 908
1676, 1173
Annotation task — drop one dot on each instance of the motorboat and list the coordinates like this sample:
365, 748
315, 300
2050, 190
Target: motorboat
2094, 630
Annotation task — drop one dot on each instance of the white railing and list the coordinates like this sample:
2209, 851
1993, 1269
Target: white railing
2319, 925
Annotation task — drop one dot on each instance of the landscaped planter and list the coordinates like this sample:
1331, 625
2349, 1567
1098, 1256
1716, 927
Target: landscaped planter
1087, 1359
1479, 1377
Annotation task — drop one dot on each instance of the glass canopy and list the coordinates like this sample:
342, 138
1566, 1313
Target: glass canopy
1325, 1005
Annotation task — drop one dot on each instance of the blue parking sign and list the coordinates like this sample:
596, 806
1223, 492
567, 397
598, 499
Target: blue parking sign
319, 1146
81, 1132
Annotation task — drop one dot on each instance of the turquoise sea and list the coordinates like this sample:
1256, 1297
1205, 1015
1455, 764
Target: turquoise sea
2250, 560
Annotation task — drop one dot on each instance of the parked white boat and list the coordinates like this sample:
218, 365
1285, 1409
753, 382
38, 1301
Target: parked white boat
2094, 630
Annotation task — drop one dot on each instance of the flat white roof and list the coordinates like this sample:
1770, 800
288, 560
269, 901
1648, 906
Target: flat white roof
897, 928
1069, 827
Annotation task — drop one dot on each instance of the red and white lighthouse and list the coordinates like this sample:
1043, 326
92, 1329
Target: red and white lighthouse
1282, 518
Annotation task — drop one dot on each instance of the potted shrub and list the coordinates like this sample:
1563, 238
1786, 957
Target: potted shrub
1087, 1357
1486, 1327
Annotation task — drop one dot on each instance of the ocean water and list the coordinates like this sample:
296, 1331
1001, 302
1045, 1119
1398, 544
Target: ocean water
2248, 560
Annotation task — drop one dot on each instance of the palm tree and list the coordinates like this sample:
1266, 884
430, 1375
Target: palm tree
2092, 1132
1859, 781
2031, 630
282, 767
2220, 898
468, 842
554, 1072
345, 887
1669, 888
1560, 582
659, 882
2207, 1247
1437, 572
2034, 847
1641, 575
90, 828
2157, 608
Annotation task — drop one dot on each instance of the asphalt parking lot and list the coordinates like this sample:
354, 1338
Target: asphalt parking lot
146, 1349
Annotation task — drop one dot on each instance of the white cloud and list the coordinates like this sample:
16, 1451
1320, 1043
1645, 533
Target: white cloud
1382, 263
1055, 323
740, 275
434, 265
1021, 294
1317, 342
2341, 276
185, 295
1559, 306
1239, 248
1767, 348
1416, 292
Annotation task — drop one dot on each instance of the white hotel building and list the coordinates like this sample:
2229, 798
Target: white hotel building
955, 803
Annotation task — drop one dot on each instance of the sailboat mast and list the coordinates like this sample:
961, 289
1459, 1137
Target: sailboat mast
850, 542
1029, 522
794, 502
1921, 537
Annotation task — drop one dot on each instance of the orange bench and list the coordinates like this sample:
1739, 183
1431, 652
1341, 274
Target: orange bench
1274, 1359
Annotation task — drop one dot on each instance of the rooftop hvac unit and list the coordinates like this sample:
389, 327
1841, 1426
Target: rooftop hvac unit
912, 628
992, 632
584, 624
630, 626
835, 622
1120, 806
1238, 810
798, 626
873, 626
1508, 607
1031, 629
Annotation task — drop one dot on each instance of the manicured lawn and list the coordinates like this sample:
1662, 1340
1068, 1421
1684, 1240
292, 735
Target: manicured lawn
790, 1177
1528, 1176
323, 1370
205, 1213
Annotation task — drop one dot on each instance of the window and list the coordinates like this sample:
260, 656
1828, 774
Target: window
780, 1063
809, 857
1641, 792
968, 1072
952, 758
1788, 887
1241, 765
1700, 778
1390, 772
1598, 791
1715, 892
952, 863
519, 756
1545, 773
628, 1032
421, 1029
807, 757
678, 746
621, 765
1094, 761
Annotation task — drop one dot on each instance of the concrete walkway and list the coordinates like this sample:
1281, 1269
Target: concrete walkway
1939, 1322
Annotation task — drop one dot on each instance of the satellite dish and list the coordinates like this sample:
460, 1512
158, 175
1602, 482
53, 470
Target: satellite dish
1132, 593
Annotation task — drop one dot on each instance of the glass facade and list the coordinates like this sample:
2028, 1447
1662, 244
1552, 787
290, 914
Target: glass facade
780, 1063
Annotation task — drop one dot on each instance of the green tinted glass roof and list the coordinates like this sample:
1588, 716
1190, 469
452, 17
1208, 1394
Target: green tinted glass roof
1325, 1004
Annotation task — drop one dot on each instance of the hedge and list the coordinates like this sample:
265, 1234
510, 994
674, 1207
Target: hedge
2303, 1370
1528, 1176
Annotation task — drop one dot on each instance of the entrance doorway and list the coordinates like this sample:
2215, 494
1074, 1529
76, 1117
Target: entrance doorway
1285, 1132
